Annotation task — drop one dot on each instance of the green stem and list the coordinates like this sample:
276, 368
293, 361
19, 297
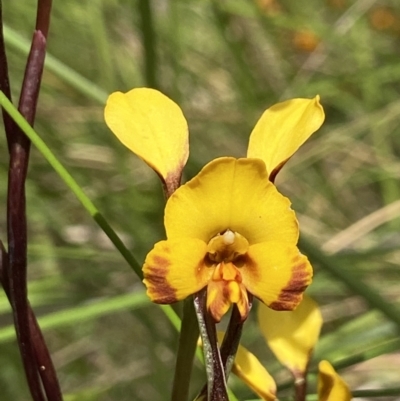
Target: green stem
52, 64
187, 346
149, 38
83, 313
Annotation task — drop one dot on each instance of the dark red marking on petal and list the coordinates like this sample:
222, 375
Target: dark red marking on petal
276, 170
158, 288
292, 294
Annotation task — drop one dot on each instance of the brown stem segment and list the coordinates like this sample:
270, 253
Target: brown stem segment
34, 353
43, 361
300, 385
43, 16
300, 381
16, 272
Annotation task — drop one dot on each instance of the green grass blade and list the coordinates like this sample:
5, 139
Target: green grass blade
83, 313
374, 299
67, 74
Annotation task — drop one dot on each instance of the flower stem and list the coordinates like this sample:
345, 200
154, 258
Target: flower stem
216, 383
187, 346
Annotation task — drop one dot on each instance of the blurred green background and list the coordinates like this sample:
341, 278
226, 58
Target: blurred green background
224, 62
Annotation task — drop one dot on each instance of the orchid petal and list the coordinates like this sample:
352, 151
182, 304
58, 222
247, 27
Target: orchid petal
331, 387
152, 126
282, 129
174, 269
292, 335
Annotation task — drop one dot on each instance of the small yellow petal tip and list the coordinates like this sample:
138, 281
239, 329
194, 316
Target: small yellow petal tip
331, 387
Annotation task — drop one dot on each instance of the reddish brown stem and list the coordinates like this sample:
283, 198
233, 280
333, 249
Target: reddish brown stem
43, 360
43, 16
34, 352
300, 386
16, 271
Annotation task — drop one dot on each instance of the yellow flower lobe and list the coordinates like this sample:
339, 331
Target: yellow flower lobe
331, 387
230, 230
152, 126
282, 129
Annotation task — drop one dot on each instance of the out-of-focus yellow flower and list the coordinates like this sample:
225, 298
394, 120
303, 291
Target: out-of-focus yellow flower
248, 368
331, 387
384, 18
305, 40
292, 335
228, 229
270, 7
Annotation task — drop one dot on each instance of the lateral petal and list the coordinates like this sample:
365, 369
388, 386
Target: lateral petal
276, 273
175, 269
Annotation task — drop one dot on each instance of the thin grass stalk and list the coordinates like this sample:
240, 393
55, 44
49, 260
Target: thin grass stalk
9, 123
149, 43
188, 337
246, 82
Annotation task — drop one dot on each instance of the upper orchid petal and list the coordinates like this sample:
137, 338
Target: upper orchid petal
152, 126
282, 129
231, 194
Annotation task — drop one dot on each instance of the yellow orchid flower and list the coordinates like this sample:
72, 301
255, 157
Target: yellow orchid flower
331, 387
228, 229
